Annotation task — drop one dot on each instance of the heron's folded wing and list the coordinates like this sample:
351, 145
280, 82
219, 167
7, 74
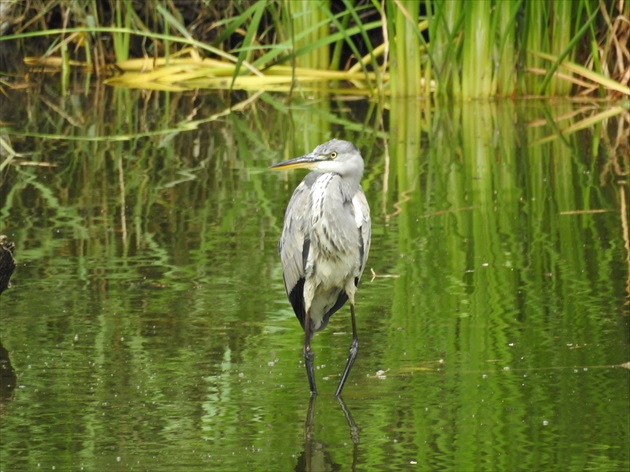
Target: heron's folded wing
364, 225
294, 243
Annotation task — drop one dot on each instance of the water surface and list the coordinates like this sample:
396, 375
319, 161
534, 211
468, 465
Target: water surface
148, 329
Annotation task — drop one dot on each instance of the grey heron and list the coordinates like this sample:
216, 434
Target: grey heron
325, 242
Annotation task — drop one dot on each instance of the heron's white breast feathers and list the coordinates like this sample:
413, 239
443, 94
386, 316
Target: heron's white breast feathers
333, 228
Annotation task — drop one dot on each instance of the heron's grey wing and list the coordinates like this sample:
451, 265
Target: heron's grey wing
294, 246
364, 224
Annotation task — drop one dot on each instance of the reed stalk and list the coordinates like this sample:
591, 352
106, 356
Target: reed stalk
309, 17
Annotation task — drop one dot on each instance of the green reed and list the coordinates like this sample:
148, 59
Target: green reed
405, 48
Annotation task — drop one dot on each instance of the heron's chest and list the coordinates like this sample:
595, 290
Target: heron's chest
333, 231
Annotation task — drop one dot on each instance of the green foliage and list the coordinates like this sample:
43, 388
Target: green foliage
406, 48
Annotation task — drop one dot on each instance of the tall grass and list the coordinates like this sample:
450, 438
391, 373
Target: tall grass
302, 18
405, 56
402, 48
488, 48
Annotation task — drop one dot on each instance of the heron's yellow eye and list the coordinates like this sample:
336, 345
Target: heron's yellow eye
333, 155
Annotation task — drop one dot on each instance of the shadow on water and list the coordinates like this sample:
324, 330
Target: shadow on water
8, 377
315, 455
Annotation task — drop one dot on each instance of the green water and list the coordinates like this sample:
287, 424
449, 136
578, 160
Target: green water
148, 328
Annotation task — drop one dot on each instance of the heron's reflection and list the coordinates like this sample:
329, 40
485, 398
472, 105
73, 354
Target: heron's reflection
315, 457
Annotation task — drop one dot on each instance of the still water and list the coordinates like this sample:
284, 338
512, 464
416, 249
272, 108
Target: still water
147, 326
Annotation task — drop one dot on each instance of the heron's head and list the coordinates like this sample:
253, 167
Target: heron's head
340, 157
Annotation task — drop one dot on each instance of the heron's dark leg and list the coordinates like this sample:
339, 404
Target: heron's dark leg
308, 353
354, 350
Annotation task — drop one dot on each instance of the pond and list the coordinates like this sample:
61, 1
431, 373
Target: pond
147, 326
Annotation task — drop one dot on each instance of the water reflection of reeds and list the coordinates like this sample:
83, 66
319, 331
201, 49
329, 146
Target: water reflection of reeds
149, 274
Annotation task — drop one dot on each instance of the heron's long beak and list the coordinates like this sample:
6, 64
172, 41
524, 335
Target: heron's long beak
303, 162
